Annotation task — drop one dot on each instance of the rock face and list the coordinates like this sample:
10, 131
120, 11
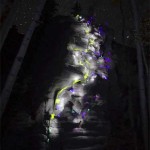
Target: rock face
91, 135
47, 71
77, 120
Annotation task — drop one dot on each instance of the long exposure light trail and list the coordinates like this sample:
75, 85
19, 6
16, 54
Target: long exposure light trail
85, 54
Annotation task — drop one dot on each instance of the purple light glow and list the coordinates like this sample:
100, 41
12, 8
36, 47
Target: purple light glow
102, 66
107, 67
107, 59
101, 31
83, 53
83, 114
104, 77
57, 107
88, 22
109, 53
97, 53
97, 96
58, 115
93, 73
71, 90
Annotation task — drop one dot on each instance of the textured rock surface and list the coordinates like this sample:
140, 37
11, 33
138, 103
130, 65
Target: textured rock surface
44, 70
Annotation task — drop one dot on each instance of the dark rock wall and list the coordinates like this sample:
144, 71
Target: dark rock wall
22, 122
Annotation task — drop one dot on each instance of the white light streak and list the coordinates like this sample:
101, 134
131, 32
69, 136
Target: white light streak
92, 66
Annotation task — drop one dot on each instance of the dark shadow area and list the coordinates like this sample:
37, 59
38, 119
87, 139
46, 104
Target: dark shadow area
8, 52
23, 125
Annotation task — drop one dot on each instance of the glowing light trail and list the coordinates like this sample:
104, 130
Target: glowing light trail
92, 64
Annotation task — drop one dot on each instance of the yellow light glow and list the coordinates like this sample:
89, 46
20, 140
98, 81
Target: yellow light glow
91, 41
77, 16
52, 116
57, 101
76, 49
76, 81
87, 50
87, 62
81, 63
87, 31
86, 76
62, 90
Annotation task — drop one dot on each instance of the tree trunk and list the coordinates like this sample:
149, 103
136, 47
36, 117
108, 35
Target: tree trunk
19, 59
143, 101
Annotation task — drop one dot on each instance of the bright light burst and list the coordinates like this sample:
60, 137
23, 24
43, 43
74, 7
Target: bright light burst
91, 62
